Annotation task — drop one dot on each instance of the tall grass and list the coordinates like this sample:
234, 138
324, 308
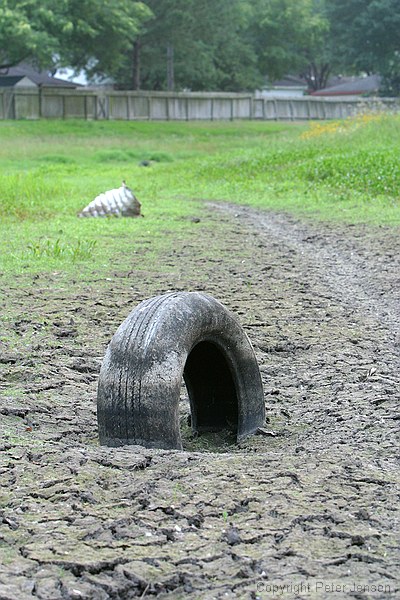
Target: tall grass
346, 170
29, 195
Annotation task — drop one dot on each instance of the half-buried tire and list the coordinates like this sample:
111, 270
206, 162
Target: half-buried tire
187, 335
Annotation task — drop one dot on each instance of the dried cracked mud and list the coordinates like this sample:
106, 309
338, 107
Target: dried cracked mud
309, 510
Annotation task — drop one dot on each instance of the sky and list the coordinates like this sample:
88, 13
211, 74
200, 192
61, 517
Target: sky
68, 75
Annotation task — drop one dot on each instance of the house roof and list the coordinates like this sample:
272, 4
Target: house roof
355, 87
40, 78
290, 81
10, 80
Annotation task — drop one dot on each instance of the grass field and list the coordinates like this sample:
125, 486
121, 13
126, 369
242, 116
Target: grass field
347, 170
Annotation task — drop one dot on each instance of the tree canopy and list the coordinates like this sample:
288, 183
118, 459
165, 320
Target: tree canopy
28, 31
91, 35
204, 44
197, 45
367, 37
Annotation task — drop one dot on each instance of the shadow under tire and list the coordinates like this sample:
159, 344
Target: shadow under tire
180, 335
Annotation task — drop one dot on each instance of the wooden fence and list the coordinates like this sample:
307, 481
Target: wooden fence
85, 103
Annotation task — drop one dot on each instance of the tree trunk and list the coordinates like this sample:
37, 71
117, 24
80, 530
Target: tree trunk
170, 68
136, 65
317, 76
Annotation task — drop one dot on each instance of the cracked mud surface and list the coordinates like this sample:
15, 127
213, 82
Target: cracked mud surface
308, 511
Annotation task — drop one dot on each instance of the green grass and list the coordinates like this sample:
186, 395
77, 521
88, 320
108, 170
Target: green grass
49, 170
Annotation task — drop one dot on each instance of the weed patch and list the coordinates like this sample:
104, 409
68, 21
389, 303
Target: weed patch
80, 250
28, 195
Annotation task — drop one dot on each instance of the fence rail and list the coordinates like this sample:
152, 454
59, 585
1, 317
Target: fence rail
84, 103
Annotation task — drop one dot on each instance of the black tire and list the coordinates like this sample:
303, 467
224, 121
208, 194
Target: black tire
187, 335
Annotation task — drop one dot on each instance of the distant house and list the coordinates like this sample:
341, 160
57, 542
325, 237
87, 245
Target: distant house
24, 75
354, 86
287, 87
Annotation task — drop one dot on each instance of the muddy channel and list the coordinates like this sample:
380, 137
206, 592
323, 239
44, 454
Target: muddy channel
308, 510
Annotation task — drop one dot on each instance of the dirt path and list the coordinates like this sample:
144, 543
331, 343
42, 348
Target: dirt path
310, 511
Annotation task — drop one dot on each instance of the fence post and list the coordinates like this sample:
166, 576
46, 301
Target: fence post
308, 104
102, 109
9, 105
15, 105
40, 102
275, 105
167, 108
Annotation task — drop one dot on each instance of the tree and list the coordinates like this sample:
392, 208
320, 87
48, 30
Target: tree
366, 34
158, 47
289, 36
98, 33
195, 44
90, 35
28, 31
317, 49
391, 77
204, 44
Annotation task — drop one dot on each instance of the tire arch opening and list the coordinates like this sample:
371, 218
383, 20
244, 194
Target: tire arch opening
211, 389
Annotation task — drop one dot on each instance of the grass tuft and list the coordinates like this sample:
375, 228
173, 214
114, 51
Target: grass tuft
80, 250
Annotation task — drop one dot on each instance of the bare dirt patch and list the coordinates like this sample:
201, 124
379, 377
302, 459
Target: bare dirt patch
311, 505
